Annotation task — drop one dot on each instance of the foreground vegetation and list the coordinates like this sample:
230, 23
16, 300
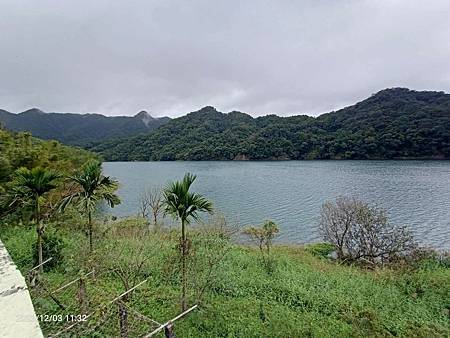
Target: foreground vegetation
307, 294
110, 277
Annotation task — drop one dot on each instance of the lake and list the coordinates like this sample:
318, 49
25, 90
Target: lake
414, 193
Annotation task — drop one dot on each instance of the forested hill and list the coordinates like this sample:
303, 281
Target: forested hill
394, 123
79, 129
22, 150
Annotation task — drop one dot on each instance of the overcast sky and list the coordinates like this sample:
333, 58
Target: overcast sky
172, 57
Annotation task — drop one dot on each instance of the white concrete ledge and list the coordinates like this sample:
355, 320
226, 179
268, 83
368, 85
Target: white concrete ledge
17, 316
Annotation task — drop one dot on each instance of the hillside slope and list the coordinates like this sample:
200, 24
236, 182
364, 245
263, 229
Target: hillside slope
20, 149
394, 123
79, 129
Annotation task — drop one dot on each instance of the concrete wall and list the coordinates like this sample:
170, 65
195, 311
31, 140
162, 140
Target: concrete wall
17, 316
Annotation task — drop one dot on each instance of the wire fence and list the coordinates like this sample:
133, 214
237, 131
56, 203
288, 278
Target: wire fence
85, 305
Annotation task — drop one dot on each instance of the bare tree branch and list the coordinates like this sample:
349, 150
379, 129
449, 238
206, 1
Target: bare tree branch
362, 233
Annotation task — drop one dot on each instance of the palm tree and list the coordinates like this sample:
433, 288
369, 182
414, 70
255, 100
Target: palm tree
32, 185
93, 188
184, 205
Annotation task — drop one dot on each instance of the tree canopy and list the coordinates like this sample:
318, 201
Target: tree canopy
392, 124
22, 162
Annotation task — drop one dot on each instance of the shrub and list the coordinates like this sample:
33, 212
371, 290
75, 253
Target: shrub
320, 249
52, 246
425, 258
263, 236
362, 233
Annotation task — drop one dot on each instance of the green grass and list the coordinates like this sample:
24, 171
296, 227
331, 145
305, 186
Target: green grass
306, 295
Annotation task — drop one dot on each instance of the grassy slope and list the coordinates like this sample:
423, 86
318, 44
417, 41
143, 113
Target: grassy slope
306, 296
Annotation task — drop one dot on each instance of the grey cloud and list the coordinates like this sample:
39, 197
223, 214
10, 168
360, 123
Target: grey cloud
172, 57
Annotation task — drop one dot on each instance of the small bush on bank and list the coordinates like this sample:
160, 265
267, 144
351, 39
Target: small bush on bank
323, 250
423, 258
263, 236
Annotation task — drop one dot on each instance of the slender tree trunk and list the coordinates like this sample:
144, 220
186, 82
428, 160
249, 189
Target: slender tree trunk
82, 299
183, 267
156, 225
90, 230
39, 235
39, 246
123, 320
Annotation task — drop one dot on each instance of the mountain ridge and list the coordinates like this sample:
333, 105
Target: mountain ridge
79, 129
395, 123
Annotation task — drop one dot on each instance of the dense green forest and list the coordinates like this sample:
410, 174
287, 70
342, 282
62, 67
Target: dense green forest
79, 129
22, 150
392, 124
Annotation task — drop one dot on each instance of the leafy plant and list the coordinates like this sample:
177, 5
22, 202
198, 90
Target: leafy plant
184, 206
320, 249
32, 186
91, 187
263, 236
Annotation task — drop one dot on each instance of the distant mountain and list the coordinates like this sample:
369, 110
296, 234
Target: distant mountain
79, 129
395, 123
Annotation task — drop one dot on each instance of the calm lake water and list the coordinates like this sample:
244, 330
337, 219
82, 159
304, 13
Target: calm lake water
415, 193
